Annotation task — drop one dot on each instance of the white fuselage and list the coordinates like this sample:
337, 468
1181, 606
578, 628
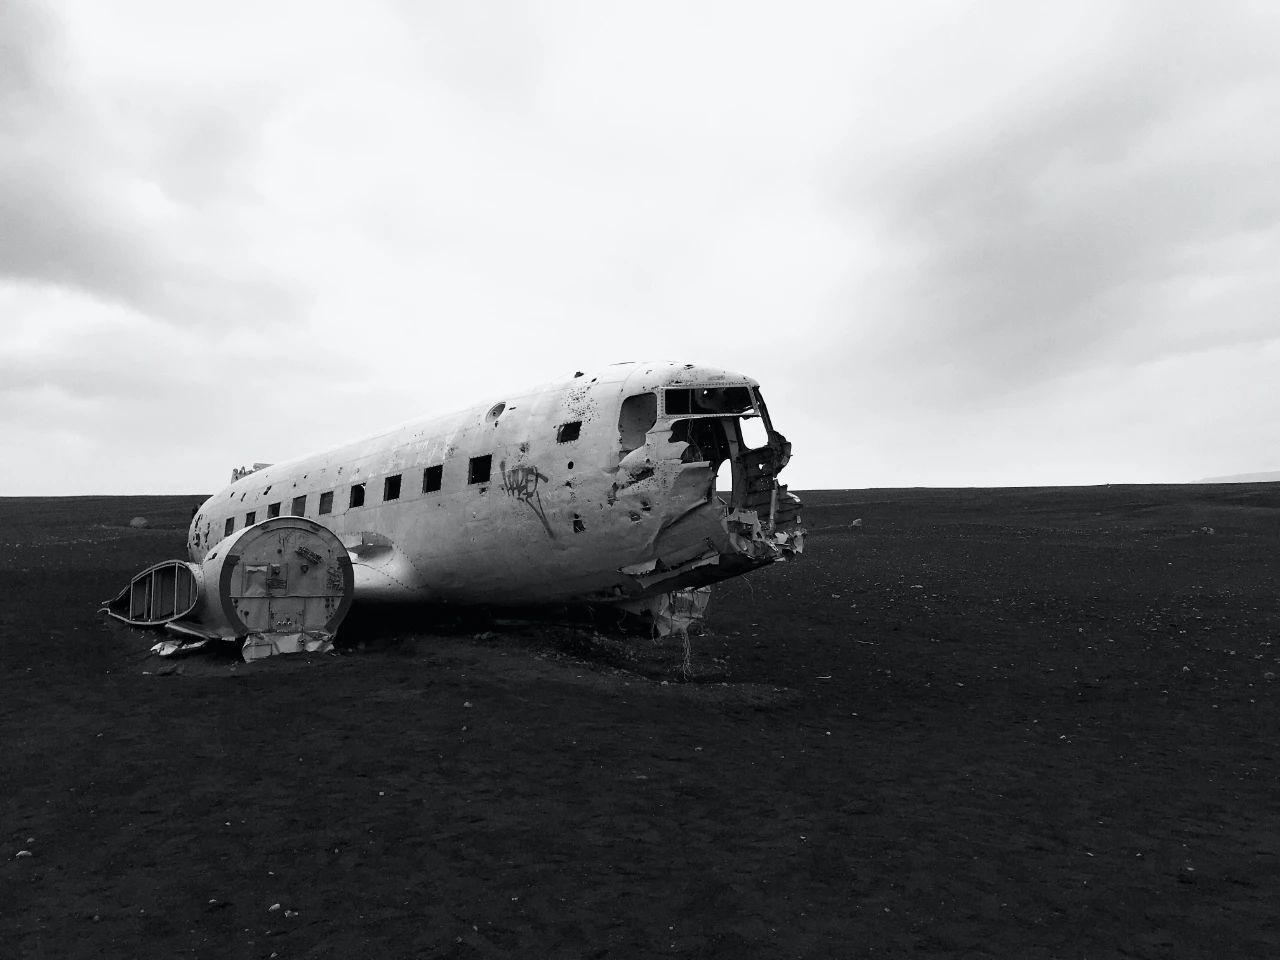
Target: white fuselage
598, 487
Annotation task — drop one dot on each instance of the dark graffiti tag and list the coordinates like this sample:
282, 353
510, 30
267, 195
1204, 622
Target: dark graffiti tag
522, 483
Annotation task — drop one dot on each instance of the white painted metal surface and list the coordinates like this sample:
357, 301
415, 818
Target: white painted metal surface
597, 487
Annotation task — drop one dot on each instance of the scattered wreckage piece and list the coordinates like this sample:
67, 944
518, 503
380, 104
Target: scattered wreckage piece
674, 612
280, 586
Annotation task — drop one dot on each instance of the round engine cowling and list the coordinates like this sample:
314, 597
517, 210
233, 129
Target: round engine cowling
285, 575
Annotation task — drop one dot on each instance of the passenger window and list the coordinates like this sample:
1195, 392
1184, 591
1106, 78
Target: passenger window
391, 488
326, 502
230, 527
431, 478
479, 468
568, 432
273, 510
299, 505
639, 414
250, 518
357, 495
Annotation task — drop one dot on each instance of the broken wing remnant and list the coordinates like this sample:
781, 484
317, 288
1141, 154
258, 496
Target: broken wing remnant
280, 586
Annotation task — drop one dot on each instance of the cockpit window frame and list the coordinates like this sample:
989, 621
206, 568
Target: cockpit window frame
750, 388
762, 411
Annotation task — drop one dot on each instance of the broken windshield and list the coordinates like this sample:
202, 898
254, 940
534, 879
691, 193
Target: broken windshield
709, 400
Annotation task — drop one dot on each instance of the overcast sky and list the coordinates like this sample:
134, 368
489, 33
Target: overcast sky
958, 243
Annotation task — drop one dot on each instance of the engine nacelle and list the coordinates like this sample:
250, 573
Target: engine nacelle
281, 585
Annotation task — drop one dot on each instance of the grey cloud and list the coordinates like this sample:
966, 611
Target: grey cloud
1039, 237
52, 234
129, 361
66, 218
90, 379
113, 358
491, 52
208, 143
50, 229
27, 38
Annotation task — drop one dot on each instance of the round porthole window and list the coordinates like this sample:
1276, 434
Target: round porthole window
495, 412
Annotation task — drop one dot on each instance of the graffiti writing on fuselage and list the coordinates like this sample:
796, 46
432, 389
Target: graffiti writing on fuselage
522, 483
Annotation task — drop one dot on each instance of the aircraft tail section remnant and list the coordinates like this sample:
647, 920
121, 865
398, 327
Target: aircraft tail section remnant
280, 586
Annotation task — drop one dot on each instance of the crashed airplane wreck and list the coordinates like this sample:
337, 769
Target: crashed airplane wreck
600, 488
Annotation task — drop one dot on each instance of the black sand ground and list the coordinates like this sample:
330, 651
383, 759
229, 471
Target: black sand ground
1018, 723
